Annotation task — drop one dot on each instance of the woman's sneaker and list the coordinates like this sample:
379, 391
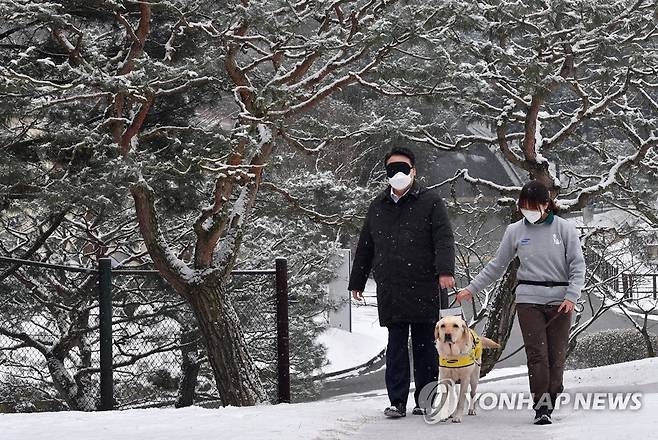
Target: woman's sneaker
395, 411
542, 417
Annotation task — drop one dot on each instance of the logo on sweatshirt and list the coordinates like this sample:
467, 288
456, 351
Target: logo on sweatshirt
556, 239
525, 241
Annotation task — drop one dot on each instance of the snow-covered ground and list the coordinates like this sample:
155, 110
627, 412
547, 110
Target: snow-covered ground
359, 416
367, 339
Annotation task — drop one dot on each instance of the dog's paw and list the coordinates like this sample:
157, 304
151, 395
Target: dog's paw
471, 412
456, 420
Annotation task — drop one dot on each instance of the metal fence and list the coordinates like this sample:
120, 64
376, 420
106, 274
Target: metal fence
102, 338
640, 285
631, 285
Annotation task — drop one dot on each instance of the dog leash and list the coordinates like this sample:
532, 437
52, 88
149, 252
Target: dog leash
451, 310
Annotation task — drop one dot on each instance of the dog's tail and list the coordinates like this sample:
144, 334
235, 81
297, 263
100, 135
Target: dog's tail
488, 343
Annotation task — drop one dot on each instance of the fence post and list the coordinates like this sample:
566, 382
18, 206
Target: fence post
105, 325
282, 340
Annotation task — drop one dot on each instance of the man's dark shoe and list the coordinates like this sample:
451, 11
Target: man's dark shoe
542, 417
396, 411
418, 411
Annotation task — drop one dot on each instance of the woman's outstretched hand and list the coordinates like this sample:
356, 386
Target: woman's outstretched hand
566, 305
464, 294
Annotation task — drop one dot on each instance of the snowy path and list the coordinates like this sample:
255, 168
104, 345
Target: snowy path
508, 424
359, 417
568, 423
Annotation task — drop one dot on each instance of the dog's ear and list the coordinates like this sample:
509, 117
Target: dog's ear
436, 331
467, 333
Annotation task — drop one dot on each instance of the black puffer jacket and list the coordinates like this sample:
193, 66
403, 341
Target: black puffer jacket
407, 245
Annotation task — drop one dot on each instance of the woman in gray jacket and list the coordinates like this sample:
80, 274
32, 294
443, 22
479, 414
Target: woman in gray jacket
550, 277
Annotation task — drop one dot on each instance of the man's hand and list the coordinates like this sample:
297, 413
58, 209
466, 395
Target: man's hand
464, 294
567, 306
357, 295
446, 281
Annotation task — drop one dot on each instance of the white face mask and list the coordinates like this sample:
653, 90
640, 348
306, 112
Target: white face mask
400, 181
532, 216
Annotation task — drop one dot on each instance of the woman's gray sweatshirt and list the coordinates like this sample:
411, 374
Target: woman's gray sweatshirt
548, 251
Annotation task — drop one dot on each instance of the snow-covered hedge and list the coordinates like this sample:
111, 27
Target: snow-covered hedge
610, 346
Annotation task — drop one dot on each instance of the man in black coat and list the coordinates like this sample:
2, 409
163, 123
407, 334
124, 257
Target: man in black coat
407, 242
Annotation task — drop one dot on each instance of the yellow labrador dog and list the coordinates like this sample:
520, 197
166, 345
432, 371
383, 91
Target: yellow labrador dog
460, 356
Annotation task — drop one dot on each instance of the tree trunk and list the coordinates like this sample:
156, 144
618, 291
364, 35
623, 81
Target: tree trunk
189, 368
75, 389
238, 380
647, 340
501, 318
76, 395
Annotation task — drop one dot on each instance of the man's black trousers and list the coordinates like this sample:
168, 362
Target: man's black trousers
425, 359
